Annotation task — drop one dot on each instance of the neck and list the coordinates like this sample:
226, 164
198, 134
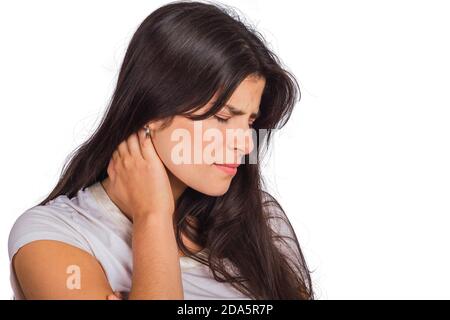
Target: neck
178, 187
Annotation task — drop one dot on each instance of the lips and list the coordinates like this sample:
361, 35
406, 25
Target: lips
229, 168
229, 165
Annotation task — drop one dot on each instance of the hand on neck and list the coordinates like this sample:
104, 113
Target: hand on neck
177, 186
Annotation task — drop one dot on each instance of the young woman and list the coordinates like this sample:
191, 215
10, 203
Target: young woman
127, 216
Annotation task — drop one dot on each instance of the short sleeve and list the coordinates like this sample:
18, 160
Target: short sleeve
45, 222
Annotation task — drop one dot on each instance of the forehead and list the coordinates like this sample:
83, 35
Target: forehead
246, 97
250, 88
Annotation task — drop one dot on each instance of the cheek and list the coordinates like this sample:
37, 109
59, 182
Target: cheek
203, 177
191, 142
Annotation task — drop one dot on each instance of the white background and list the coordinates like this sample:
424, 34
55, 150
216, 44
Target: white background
362, 168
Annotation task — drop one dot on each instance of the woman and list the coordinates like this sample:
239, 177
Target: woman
128, 216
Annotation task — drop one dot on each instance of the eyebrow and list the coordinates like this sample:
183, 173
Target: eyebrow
237, 112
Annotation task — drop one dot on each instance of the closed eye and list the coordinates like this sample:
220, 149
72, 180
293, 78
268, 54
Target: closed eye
223, 120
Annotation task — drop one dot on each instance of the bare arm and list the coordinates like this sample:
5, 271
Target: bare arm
48, 269
156, 269
139, 185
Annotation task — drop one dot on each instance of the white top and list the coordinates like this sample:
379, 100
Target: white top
92, 222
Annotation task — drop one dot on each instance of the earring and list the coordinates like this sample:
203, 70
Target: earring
148, 131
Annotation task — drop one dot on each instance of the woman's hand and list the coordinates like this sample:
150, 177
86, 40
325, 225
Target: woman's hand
139, 183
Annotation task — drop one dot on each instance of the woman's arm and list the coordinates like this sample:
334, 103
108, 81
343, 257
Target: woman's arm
49, 269
139, 185
52, 270
156, 267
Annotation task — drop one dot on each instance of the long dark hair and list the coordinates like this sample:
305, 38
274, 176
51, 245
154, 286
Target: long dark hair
178, 58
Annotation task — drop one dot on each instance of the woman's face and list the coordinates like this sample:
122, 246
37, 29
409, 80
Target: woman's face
191, 150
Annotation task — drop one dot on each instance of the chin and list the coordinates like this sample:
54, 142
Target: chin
217, 194
214, 191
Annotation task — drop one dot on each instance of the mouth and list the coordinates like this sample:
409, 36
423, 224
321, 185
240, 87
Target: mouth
229, 168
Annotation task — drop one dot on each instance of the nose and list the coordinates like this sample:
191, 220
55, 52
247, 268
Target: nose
242, 142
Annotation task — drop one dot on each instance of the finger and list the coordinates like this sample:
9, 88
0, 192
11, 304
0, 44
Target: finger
123, 149
133, 146
146, 144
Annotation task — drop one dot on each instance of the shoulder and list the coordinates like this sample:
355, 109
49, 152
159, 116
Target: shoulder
48, 248
53, 221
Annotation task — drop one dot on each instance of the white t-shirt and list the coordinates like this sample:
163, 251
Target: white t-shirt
92, 222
